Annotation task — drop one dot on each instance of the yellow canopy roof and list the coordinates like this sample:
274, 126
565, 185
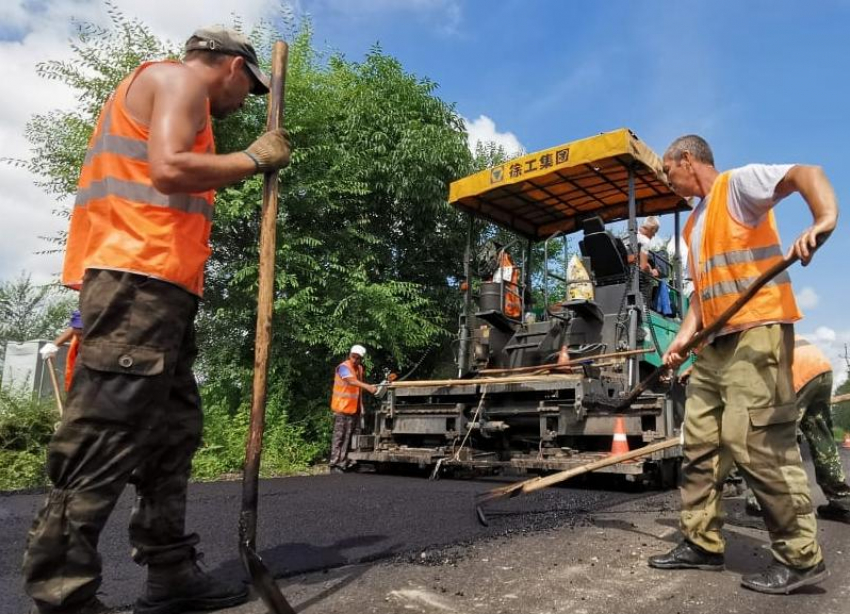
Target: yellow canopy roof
548, 191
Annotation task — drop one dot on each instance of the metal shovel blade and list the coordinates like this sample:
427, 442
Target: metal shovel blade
263, 581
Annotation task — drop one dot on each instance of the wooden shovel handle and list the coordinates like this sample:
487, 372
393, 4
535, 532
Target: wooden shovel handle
527, 486
265, 298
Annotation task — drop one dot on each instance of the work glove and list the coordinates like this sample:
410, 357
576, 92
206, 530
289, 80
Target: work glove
271, 151
48, 351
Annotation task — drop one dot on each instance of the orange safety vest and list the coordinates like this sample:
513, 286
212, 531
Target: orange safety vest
809, 362
731, 256
121, 222
71, 360
346, 397
513, 301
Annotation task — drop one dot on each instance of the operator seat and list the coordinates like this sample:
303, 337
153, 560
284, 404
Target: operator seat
607, 253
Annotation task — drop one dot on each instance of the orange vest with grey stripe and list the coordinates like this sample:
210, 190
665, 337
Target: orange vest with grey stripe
731, 256
513, 302
346, 397
121, 221
809, 362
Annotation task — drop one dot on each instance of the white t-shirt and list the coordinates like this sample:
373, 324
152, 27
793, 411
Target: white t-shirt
752, 193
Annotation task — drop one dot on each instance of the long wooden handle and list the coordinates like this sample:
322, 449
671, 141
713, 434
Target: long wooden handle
265, 300
839, 399
527, 486
576, 362
51, 366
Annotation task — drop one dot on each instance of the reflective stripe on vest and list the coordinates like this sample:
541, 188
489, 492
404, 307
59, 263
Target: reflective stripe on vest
121, 221
346, 397
809, 362
731, 257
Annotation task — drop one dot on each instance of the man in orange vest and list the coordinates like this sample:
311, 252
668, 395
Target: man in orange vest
71, 336
508, 274
740, 406
813, 383
137, 245
347, 406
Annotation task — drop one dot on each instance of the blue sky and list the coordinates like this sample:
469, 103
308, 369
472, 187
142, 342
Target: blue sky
762, 81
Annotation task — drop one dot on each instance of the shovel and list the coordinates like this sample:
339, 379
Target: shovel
536, 483
261, 579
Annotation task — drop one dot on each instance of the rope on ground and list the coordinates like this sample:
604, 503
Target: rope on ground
435, 474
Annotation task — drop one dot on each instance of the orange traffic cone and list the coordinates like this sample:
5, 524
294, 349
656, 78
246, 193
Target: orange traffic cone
846, 442
563, 355
620, 445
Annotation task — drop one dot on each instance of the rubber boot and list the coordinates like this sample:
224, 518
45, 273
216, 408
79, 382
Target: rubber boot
184, 587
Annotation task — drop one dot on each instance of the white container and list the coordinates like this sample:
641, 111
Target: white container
26, 373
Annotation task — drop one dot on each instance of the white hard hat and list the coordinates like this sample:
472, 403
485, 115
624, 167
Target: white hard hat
358, 349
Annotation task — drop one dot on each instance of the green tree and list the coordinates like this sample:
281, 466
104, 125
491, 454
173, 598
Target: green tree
368, 249
30, 311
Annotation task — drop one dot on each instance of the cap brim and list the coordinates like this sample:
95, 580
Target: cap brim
261, 80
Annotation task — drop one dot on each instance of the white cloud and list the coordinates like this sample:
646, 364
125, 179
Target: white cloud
42, 31
833, 343
484, 130
807, 298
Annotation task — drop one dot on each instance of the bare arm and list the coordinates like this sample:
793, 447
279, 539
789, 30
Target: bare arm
64, 337
178, 113
353, 381
812, 184
644, 264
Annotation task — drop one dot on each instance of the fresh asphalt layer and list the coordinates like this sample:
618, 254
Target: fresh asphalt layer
308, 523
386, 544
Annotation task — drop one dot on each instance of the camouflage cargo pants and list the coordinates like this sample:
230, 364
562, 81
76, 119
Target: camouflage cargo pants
345, 425
741, 409
133, 415
816, 425
815, 422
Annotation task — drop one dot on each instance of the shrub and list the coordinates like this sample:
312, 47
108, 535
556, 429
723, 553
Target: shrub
26, 425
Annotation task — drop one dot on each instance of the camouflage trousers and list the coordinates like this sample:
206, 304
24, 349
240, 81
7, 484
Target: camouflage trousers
345, 425
816, 425
741, 409
133, 415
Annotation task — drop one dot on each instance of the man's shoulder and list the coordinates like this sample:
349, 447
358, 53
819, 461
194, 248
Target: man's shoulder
758, 171
172, 75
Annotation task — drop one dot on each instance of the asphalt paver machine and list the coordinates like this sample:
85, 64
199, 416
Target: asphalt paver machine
534, 344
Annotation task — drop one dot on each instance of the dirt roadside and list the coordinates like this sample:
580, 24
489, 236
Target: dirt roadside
594, 565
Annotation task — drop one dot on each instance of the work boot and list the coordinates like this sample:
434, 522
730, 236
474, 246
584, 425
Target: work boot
688, 556
830, 511
184, 586
336, 469
779, 579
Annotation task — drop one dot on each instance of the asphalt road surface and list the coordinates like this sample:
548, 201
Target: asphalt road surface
376, 543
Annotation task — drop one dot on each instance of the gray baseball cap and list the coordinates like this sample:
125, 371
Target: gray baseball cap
230, 42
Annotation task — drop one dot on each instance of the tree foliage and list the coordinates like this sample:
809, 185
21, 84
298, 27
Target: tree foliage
368, 249
30, 311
